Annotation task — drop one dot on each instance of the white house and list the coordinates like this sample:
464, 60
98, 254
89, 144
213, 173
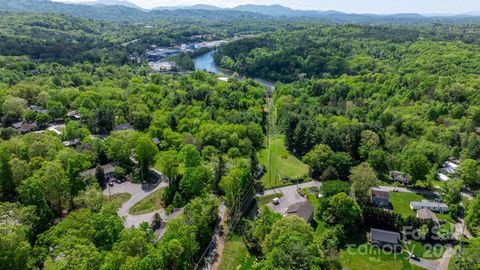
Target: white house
449, 168
432, 206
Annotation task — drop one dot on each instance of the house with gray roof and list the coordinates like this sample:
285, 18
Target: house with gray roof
108, 171
301, 209
125, 126
432, 206
401, 177
426, 214
385, 239
379, 197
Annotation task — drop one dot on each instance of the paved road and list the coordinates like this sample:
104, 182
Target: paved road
138, 192
290, 195
440, 264
418, 191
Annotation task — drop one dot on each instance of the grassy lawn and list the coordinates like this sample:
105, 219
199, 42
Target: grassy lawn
118, 199
401, 202
261, 201
283, 164
368, 257
425, 250
149, 204
235, 255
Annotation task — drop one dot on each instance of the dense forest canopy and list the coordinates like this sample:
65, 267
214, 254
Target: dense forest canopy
352, 102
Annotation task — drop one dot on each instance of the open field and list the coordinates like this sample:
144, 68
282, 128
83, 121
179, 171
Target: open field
236, 255
118, 199
366, 256
425, 250
149, 204
283, 163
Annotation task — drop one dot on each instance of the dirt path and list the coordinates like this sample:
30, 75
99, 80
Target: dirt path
222, 238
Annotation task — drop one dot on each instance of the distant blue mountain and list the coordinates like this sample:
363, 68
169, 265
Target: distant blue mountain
122, 3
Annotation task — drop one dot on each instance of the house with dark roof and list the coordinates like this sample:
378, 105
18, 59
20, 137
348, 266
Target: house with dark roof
379, 197
108, 171
125, 126
385, 239
17, 125
24, 127
401, 177
301, 209
38, 109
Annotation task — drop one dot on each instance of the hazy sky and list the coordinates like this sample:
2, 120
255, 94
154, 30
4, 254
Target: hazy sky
351, 6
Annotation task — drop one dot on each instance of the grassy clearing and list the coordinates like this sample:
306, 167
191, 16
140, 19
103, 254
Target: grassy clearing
366, 256
261, 201
118, 200
425, 250
283, 164
236, 255
149, 204
401, 202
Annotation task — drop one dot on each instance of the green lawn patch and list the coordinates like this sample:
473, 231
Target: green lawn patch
282, 164
401, 202
425, 250
366, 256
261, 201
149, 204
446, 217
117, 200
236, 255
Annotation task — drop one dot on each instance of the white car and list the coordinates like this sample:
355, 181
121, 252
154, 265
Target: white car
276, 201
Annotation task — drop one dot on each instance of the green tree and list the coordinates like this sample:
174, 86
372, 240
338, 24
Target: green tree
318, 159
120, 146
169, 163
291, 245
13, 108
145, 153
333, 187
191, 156
417, 165
342, 210
363, 177
91, 198
368, 142
237, 186
469, 172
472, 217
195, 181
263, 225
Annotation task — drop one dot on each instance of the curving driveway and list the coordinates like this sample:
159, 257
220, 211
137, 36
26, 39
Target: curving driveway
138, 192
290, 195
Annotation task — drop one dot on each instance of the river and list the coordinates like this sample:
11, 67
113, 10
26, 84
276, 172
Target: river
206, 62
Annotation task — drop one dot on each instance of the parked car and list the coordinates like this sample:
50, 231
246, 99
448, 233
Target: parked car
413, 257
276, 201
